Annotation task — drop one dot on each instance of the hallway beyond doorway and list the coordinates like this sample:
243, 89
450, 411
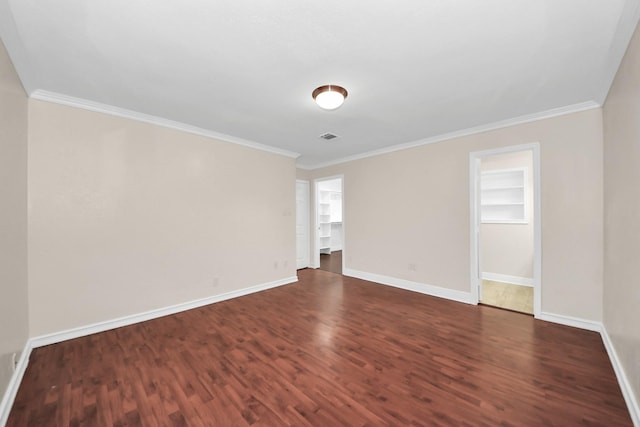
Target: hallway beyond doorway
331, 262
507, 295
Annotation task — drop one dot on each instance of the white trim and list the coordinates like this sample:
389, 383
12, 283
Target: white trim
474, 228
152, 314
14, 384
315, 256
623, 380
307, 223
423, 288
575, 322
537, 231
554, 112
85, 104
56, 337
505, 278
474, 219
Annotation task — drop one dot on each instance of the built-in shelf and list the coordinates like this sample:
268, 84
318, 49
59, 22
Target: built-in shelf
329, 220
324, 221
503, 198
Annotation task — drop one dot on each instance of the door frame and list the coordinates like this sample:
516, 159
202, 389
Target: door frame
474, 192
315, 259
307, 221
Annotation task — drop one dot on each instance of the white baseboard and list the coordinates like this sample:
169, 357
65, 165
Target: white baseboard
575, 322
14, 384
408, 285
623, 381
464, 297
505, 278
35, 342
152, 314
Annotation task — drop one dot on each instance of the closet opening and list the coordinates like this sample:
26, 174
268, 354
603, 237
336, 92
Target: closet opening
329, 224
505, 228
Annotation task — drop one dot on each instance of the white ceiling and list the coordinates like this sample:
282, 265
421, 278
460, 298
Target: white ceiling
415, 70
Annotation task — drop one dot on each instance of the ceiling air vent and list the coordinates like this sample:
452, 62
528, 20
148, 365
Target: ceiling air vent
328, 136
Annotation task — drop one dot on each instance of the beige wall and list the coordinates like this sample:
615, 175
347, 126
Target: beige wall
622, 214
303, 174
508, 248
126, 217
412, 207
13, 218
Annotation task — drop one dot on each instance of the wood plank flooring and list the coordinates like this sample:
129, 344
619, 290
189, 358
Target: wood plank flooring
326, 351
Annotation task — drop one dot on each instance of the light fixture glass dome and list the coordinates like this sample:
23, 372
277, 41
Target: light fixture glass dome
329, 97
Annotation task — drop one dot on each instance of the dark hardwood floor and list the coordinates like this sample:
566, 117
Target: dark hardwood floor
326, 351
331, 262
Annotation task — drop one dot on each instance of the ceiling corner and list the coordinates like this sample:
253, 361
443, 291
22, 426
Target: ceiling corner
15, 48
624, 32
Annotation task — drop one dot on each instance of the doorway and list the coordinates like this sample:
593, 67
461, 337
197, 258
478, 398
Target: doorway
505, 228
329, 236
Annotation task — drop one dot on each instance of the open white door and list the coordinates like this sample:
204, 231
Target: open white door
302, 224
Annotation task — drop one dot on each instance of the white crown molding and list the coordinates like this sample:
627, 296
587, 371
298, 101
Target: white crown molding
623, 380
555, 112
624, 32
84, 104
423, 288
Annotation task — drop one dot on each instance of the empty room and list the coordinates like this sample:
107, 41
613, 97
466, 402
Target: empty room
219, 213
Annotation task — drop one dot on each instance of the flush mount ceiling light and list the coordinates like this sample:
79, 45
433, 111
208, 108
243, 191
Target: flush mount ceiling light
329, 97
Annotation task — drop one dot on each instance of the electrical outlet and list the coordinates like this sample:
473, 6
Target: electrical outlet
14, 361
412, 267
215, 282
275, 265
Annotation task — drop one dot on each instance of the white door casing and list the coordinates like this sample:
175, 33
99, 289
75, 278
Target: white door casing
474, 185
302, 224
316, 236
